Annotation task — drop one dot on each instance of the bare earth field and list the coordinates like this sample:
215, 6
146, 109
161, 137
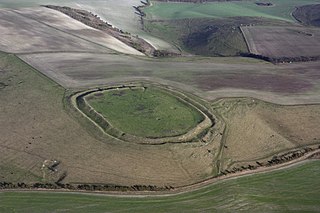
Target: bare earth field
46, 30
120, 14
75, 55
289, 81
308, 14
283, 42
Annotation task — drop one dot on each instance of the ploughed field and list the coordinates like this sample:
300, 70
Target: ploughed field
145, 112
283, 43
308, 14
75, 55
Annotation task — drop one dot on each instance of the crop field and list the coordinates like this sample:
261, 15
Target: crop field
284, 84
280, 11
292, 189
28, 34
282, 42
120, 14
78, 62
308, 14
146, 112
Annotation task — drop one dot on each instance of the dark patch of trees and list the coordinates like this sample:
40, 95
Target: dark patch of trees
83, 187
277, 159
265, 4
281, 59
196, 1
164, 53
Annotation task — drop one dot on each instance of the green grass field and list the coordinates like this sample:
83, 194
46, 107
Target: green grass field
212, 29
281, 10
294, 189
146, 113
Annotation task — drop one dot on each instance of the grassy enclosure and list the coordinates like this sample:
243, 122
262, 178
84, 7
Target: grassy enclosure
146, 112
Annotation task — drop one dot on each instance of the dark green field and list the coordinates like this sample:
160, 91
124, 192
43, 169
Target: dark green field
207, 36
213, 28
146, 112
294, 189
281, 10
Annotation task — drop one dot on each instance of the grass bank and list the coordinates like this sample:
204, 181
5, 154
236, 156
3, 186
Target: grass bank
293, 189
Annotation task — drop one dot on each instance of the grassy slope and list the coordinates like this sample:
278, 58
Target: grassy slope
17, 75
293, 189
256, 130
146, 113
192, 37
34, 127
186, 25
281, 9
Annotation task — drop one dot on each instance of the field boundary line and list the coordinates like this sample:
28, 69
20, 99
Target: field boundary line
179, 190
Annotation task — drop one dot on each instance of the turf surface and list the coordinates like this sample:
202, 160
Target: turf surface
281, 10
146, 112
294, 189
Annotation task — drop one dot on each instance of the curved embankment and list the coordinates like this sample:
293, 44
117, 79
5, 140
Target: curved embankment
308, 15
201, 132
